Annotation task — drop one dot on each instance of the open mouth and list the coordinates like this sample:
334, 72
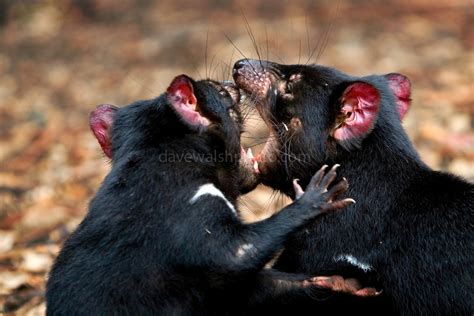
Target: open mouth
239, 97
256, 85
266, 153
248, 154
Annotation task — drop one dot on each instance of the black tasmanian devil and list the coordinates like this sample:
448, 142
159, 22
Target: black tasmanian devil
162, 235
411, 231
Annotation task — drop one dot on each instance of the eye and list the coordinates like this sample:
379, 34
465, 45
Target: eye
292, 80
234, 115
224, 92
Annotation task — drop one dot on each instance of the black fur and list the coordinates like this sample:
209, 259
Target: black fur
412, 225
144, 249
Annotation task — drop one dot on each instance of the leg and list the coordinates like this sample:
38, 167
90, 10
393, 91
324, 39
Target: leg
289, 288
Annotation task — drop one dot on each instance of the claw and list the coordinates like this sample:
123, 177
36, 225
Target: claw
349, 200
339, 204
329, 177
298, 190
339, 284
367, 292
316, 179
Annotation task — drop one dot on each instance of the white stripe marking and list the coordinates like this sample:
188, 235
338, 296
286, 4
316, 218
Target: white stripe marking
210, 189
353, 260
245, 249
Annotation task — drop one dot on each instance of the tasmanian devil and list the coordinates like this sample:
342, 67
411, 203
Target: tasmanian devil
162, 235
411, 230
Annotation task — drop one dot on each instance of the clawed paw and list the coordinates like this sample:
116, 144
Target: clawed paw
317, 193
339, 284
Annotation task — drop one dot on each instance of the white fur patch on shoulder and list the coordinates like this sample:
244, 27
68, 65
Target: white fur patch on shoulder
354, 261
210, 189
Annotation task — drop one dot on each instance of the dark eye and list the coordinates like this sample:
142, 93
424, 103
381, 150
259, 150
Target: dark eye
224, 92
290, 84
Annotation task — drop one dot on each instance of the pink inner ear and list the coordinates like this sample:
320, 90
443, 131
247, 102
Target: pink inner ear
181, 96
360, 104
401, 88
101, 121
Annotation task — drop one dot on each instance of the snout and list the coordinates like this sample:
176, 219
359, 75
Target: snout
244, 66
254, 77
240, 64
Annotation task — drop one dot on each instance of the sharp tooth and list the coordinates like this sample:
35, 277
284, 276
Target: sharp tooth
249, 153
286, 127
255, 166
243, 96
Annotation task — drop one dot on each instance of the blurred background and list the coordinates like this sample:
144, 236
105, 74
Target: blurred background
59, 59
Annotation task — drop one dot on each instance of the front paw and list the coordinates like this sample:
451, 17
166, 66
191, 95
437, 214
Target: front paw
317, 195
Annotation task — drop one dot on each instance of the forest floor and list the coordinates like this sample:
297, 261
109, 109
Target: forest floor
59, 59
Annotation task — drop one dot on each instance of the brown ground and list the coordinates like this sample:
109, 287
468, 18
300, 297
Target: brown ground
59, 59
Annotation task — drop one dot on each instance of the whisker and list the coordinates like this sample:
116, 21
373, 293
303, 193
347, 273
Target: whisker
205, 52
270, 202
235, 46
241, 53
307, 38
224, 71
230, 63
299, 52
213, 71
333, 21
252, 36
266, 39
325, 36
245, 204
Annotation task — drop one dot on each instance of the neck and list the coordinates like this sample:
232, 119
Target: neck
195, 162
382, 167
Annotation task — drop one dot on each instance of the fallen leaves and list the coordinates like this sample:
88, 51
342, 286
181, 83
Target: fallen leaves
61, 58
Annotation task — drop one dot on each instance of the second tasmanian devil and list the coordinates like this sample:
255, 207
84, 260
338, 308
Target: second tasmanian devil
411, 231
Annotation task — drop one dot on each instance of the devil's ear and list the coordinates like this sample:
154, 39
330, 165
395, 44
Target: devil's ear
360, 103
181, 96
401, 88
101, 121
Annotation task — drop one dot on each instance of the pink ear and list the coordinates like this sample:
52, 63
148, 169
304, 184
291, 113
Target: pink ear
360, 104
181, 96
401, 88
101, 121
